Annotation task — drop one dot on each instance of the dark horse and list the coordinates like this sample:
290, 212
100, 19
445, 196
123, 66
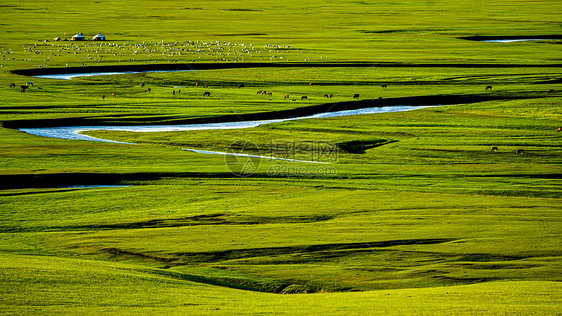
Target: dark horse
488, 88
206, 94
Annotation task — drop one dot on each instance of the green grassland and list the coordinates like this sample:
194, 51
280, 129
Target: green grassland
401, 213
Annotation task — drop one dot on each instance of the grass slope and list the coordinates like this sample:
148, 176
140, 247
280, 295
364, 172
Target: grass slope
411, 213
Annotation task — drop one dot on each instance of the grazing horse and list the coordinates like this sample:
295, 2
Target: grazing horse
103, 96
383, 86
197, 85
311, 84
269, 93
114, 95
142, 85
559, 130
147, 90
29, 83
23, 88
240, 86
286, 97
550, 91
331, 95
173, 92
12, 85
206, 94
304, 97
519, 152
356, 96
326, 96
493, 149
488, 88
204, 86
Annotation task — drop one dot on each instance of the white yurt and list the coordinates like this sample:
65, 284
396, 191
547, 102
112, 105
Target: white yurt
78, 37
99, 37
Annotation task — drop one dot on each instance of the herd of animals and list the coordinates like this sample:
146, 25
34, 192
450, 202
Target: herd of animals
27, 85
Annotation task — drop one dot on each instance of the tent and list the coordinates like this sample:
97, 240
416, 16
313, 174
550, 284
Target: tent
99, 37
78, 37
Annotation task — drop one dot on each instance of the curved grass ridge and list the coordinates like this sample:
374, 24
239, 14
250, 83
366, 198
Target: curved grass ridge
225, 65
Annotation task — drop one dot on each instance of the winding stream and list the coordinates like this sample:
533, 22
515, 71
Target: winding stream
76, 132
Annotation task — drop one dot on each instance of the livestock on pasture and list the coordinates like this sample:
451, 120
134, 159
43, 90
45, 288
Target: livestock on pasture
356, 96
114, 95
147, 90
304, 97
383, 86
286, 96
240, 86
550, 91
493, 149
519, 152
23, 88
559, 129
488, 88
12, 85
206, 94
326, 96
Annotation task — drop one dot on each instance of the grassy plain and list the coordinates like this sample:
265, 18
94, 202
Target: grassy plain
410, 213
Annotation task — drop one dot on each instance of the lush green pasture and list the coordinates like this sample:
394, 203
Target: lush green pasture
400, 213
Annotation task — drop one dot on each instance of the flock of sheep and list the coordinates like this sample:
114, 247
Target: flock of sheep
160, 51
